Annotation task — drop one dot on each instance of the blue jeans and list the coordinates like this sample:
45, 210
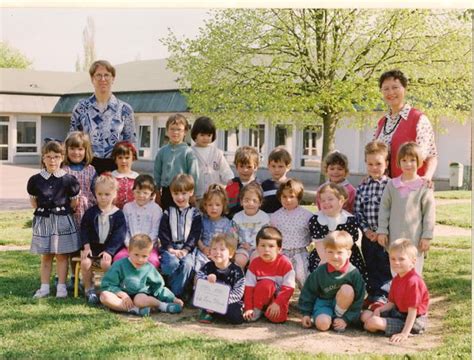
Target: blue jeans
177, 271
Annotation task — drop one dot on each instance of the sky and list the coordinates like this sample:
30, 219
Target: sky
52, 37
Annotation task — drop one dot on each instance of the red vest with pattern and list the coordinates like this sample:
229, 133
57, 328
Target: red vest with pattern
405, 131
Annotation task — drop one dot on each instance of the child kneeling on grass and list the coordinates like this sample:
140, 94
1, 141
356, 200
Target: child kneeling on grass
405, 312
333, 294
270, 279
133, 285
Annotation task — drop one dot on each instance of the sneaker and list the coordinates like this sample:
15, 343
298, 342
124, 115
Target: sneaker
92, 298
145, 311
61, 293
40, 294
205, 317
173, 308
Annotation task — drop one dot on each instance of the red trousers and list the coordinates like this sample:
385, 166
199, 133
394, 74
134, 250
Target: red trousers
263, 295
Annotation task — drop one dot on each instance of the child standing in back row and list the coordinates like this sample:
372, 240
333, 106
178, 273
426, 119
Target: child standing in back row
279, 163
407, 209
246, 162
173, 159
336, 168
213, 167
366, 210
53, 195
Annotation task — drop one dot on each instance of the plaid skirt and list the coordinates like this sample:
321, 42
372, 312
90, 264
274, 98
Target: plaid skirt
55, 234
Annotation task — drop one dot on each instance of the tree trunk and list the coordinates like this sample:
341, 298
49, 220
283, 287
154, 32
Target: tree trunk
329, 137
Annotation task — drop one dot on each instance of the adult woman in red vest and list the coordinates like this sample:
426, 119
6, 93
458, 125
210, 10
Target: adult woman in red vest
403, 123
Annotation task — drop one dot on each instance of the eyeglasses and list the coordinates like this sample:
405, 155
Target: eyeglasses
52, 157
393, 88
106, 77
176, 130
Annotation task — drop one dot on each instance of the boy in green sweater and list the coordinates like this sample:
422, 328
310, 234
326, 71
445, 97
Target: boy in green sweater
133, 285
333, 293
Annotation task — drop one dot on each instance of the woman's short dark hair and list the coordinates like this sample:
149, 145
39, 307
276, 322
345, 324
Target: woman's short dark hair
203, 125
395, 74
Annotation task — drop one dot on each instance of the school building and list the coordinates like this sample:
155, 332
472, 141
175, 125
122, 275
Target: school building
38, 104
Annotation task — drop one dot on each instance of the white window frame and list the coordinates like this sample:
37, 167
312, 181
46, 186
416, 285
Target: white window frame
9, 137
26, 118
148, 151
301, 149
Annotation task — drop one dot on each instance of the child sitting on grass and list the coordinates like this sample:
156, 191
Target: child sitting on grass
134, 285
220, 269
333, 294
270, 279
405, 312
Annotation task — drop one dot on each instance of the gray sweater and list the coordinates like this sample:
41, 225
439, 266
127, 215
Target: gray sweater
411, 217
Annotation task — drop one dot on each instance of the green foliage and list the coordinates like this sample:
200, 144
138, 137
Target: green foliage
12, 58
311, 66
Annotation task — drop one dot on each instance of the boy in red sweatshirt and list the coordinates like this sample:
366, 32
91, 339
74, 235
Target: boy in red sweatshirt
270, 279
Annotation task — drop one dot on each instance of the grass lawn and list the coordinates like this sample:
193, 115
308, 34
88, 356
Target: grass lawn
50, 328
454, 215
453, 194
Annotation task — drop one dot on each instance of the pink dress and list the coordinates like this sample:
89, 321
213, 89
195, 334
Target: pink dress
125, 189
85, 175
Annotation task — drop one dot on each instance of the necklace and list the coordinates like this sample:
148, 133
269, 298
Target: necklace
385, 132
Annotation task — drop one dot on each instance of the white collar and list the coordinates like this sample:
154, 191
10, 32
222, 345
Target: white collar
58, 173
131, 175
111, 212
332, 222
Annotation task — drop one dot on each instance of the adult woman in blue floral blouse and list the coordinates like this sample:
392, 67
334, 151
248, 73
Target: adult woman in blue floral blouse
105, 118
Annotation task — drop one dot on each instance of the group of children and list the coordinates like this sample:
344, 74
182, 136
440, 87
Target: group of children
195, 220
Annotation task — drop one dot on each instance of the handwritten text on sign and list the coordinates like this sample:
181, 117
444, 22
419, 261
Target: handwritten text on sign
211, 296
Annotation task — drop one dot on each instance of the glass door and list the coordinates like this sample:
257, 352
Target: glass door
4, 138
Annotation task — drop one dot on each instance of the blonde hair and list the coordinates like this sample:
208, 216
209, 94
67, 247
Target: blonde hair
336, 158
106, 179
229, 241
246, 155
140, 242
182, 182
294, 186
410, 149
78, 139
108, 66
405, 246
338, 190
376, 147
338, 240
214, 190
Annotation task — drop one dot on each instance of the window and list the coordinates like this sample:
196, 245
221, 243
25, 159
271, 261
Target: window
257, 137
162, 137
144, 141
281, 134
312, 147
26, 136
231, 143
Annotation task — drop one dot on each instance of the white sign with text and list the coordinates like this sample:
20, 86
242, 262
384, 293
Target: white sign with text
211, 296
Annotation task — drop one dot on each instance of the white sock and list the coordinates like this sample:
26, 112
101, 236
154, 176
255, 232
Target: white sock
162, 306
339, 311
134, 310
61, 287
44, 288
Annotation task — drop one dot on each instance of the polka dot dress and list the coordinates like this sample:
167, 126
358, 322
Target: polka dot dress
319, 231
